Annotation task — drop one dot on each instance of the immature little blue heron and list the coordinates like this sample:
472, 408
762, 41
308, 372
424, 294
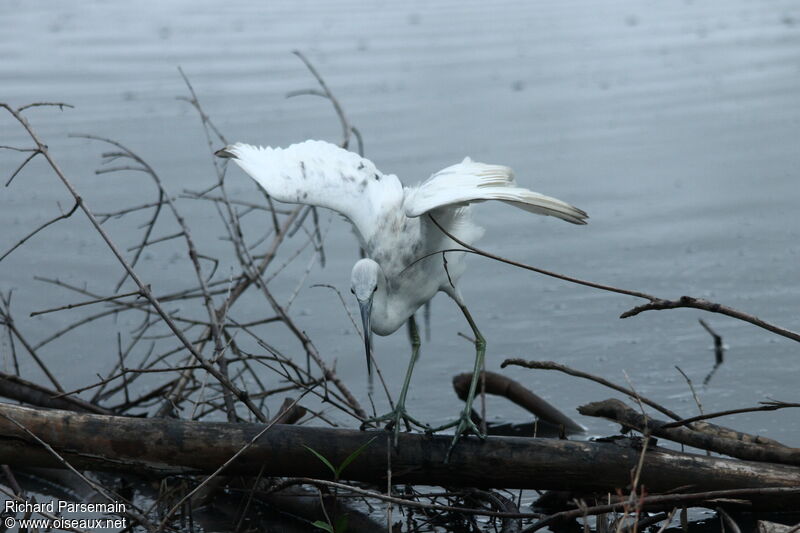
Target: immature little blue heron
391, 283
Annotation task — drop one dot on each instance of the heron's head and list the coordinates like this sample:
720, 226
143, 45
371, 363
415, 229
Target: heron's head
365, 277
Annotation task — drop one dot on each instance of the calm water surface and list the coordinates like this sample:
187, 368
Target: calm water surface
675, 125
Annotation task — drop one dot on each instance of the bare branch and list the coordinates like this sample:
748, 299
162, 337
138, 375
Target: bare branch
90, 302
59, 105
769, 406
478, 251
617, 411
346, 128
252, 205
8, 320
21, 166
659, 500
550, 365
40, 228
655, 302
155, 241
101, 490
229, 461
397, 500
128, 268
18, 149
711, 307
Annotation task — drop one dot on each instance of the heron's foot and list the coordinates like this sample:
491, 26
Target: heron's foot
463, 426
395, 418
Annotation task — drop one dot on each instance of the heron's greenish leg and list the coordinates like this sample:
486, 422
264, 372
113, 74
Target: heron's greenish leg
399, 413
413, 334
464, 422
480, 354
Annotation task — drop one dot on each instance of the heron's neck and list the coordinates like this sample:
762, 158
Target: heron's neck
386, 317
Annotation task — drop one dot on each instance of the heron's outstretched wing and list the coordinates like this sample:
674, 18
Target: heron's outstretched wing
322, 174
470, 181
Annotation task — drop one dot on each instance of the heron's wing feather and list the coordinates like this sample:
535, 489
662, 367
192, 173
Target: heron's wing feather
321, 174
470, 181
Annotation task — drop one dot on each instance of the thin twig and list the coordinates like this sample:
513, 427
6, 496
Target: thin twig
194, 257
691, 388
772, 406
654, 301
103, 491
59, 105
550, 365
399, 501
660, 500
8, 320
344, 305
27, 160
40, 228
472, 249
90, 302
227, 463
128, 268
241, 285
711, 307
125, 211
346, 128
155, 241
243, 203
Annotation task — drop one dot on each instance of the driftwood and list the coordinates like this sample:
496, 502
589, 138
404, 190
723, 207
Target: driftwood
16, 388
162, 447
617, 411
705, 427
500, 385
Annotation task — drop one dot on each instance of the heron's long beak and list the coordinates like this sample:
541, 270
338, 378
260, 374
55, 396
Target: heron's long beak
366, 312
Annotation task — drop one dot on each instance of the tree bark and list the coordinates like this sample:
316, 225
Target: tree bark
163, 447
16, 388
515, 392
618, 411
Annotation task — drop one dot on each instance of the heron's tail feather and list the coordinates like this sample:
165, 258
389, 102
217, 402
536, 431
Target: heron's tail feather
471, 181
540, 204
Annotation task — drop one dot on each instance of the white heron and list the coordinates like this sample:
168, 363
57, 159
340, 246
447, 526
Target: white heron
391, 282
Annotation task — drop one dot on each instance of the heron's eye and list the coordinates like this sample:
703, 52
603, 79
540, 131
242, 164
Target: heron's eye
352, 291
375, 289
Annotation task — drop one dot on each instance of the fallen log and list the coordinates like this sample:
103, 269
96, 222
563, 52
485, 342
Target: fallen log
618, 411
500, 385
16, 388
705, 427
164, 447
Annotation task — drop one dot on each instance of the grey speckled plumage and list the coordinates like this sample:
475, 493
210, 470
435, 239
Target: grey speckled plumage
387, 216
391, 283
